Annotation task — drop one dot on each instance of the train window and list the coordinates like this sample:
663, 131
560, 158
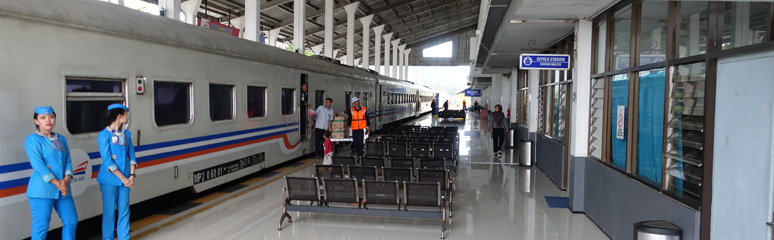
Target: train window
172, 103
221, 102
87, 100
288, 101
256, 102
364, 102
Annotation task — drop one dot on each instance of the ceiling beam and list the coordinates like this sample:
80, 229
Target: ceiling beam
375, 11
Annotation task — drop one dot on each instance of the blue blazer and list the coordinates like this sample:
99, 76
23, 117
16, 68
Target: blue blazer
114, 157
47, 164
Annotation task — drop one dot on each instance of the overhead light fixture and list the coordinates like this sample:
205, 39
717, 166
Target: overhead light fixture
517, 21
568, 20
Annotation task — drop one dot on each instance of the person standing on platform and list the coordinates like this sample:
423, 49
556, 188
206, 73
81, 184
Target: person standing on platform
446, 105
52, 169
323, 120
117, 172
464, 105
433, 106
498, 130
358, 121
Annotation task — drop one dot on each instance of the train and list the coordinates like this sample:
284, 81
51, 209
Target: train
205, 108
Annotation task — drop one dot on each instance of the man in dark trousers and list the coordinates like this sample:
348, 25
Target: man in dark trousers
358, 121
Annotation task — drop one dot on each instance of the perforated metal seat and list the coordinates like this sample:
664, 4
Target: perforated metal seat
344, 161
420, 150
381, 192
362, 173
432, 163
422, 195
402, 163
373, 162
328, 171
398, 174
340, 191
398, 149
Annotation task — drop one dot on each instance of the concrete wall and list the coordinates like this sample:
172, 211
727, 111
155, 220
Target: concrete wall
615, 202
550, 158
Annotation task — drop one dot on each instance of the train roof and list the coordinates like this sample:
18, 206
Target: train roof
115, 19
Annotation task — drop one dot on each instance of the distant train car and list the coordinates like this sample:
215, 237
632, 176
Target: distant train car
206, 108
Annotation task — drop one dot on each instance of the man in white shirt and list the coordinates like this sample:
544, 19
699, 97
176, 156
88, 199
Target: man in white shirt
323, 119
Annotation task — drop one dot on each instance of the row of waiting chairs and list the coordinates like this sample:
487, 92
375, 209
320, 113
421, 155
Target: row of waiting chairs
395, 162
387, 174
445, 150
348, 191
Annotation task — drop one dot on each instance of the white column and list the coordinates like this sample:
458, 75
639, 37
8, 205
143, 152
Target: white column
378, 48
252, 19
329, 29
406, 63
514, 94
172, 8
402, 49
317, 49
273, 34
579, 116
387, 39
534, 88
190, 8
351, 10
393, 64
299, 16
366, 21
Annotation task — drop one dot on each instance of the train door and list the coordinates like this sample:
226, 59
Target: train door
319, 99
417, 103
303, 127
347, 101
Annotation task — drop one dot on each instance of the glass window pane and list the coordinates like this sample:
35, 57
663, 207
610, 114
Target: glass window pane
172, 103
287, 101
94, 86
685, 130
619, 107
221, 102
87, 116
256, 102
692, 35
744, 24
596, 117
601, 43
650, 125
653, 35
622, 37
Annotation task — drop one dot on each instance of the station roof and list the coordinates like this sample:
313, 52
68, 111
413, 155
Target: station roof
526, 26
413, 21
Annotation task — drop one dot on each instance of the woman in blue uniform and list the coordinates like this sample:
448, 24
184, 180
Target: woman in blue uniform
49, 185
116, 174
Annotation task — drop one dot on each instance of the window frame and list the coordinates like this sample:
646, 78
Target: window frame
233, 102
191, 104
265, 102
294, 101
124, 95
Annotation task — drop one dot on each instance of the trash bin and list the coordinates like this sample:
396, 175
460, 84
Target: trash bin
509, 141
656, 230
525, 153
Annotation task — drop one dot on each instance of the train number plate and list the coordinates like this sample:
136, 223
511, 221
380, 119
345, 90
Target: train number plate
228, 168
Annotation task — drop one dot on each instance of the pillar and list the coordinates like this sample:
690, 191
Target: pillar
252, 19
191, 8
393, 63
579, 116
378, 48
273, 34
351, 10
534, 88
171, 8
406, 63
387, 39
328, 42
299, 16
399, 65
317, 49
366, 55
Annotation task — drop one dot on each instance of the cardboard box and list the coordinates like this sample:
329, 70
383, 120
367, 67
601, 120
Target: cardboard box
338, 125
338, 135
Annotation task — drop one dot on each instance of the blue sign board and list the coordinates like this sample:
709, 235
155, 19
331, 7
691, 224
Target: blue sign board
472, 93
544, 61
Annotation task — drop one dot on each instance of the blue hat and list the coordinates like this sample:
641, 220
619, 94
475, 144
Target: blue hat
44, 110
117, 105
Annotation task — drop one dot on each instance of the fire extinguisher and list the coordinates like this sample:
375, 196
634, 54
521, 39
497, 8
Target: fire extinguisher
509, 113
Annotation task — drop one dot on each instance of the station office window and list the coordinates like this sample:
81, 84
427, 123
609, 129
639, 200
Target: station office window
256, 102
172, 103
87, 100
288, 101
221, 102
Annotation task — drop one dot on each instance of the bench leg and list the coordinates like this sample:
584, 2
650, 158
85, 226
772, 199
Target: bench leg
443, 224
285, 214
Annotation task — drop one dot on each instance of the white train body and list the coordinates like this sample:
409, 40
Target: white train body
66, 53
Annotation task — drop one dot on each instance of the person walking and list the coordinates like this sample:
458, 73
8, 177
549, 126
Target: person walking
498, 129
358, 122
446, 105
117, 172
52, 169
433, 106
322, 123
